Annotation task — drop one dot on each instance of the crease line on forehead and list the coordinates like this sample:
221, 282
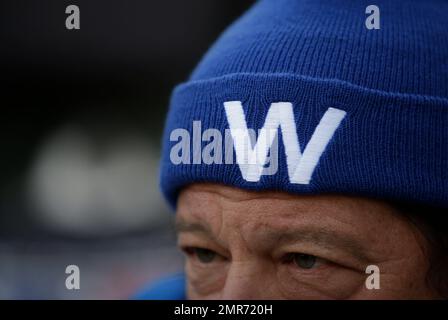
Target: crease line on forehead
181, 226
324, 237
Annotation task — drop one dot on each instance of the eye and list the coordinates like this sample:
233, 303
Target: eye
203, 255
304, 261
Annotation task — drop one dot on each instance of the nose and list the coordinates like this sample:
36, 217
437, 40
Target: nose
246, 280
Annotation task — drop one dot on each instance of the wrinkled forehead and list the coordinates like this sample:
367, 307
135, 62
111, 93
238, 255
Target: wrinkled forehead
267, 216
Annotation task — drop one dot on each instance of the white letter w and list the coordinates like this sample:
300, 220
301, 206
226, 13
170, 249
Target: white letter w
251, 159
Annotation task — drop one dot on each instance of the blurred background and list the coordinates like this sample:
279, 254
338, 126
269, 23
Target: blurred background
82, 116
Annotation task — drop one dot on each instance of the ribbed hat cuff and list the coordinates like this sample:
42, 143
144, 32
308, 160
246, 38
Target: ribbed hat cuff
390, 145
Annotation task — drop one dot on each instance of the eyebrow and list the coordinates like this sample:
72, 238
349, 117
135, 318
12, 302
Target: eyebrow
183, 226
326, 238
323, 237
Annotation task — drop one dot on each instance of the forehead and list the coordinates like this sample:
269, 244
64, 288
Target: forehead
269, 222
221, 207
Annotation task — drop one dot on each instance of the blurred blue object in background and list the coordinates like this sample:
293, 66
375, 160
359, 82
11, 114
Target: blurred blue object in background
168, 288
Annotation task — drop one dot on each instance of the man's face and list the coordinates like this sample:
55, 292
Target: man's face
273, 245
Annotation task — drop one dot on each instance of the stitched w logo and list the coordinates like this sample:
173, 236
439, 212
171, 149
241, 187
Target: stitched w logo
252, 158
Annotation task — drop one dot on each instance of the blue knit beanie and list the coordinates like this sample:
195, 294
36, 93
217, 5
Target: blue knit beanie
354, 110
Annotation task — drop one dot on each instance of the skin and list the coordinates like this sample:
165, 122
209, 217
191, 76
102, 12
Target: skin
252, 240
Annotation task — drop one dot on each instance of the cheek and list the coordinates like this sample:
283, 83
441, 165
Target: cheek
327, 283
238, 280
206, 280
